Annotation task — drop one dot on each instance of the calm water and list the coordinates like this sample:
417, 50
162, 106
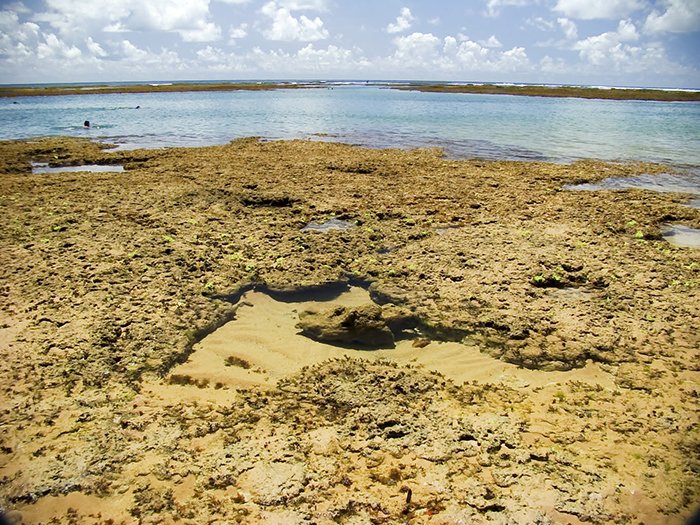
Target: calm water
487, 126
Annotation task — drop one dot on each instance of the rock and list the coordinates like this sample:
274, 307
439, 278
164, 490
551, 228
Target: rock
273, 483
399, 319
362, 326
14, 517
386, 293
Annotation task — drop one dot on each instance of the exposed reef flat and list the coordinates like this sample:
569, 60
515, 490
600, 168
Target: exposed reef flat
111, 280
43, 91
559, 91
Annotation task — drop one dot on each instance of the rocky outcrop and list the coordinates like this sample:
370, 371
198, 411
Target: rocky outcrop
363, 326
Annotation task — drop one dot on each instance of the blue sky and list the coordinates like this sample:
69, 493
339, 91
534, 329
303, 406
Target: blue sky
598, 42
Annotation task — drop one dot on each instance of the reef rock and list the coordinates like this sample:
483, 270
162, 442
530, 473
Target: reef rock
362, 326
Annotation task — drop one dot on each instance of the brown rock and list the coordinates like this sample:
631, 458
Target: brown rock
362, 326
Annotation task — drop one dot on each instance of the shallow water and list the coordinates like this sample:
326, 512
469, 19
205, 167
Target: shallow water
688, 182
466, 125
664, 182
681, 236
332, 224
43, 168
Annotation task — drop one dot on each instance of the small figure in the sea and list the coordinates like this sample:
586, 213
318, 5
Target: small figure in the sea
86, 124
137, 107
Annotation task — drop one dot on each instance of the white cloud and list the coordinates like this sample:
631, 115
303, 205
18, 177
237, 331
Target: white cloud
95, 48
73, 18
593, 9
54, 47
569, 28
416, 49
202, 32
332, 57
307, 60
304, 5
17, 7
680, 16
610, 47
492, 41
493, 7
427, 52
540, 23
403, 22
130, 52
10, 27
288, 28
236, 33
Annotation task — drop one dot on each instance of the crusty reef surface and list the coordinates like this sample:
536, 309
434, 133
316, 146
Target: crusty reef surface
108, 280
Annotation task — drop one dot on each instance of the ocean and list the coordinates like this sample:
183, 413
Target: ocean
465, 125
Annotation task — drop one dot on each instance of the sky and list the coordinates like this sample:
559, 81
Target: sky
594, 42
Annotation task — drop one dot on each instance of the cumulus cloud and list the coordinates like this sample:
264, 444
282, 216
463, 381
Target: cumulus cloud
426, 51
286, 27
202, 32
308, 59
304, 5
681, 16
492, 41
95, 48
493, 7
76, 17
593, 9
403, 22
54, 47
610, 47
236, 33
569, 28
540, 23
416, 49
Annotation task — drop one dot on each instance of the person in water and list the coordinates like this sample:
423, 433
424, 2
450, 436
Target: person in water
86, 124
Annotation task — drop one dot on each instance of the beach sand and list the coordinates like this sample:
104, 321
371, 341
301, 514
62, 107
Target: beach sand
153, 370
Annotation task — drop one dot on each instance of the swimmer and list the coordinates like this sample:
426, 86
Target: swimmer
86, 124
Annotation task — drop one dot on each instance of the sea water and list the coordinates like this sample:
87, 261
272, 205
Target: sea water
465, 125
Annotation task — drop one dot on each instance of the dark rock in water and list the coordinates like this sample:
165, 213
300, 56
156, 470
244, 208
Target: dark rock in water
362, 326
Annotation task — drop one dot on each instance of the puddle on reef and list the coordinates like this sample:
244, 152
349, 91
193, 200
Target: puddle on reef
332, 224
663, 183
681, 236
43, 168
263, 344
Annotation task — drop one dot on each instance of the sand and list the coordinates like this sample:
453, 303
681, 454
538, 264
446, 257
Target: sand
152, 372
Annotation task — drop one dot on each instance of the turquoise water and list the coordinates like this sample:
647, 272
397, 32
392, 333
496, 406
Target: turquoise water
485, 126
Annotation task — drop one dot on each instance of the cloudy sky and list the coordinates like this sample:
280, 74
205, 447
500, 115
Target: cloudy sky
599, 42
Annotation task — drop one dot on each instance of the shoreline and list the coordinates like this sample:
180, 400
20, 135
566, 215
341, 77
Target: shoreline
573, 318
656, 95
166, 87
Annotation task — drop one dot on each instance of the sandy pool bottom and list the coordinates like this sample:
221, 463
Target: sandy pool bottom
263, 345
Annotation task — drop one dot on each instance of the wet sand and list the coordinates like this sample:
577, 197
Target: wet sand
557, 383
